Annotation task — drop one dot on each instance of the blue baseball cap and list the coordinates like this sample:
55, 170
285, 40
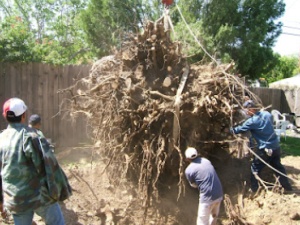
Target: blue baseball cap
249, 104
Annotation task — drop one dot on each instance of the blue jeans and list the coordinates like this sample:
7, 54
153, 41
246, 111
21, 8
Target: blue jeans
275, 162
51, 214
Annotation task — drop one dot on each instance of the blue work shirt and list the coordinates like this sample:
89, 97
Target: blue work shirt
261, 127
202, 173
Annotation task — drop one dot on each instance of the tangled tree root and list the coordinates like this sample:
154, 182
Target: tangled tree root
146, 104
234, 213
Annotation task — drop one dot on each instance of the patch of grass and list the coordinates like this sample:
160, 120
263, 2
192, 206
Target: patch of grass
290, 146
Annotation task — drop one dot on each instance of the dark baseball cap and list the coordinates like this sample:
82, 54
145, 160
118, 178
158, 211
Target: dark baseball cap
34, 119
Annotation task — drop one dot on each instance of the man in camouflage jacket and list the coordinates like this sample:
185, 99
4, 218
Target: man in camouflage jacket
31, 179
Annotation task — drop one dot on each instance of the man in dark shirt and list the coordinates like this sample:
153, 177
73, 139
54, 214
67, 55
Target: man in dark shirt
201, 174
35, 122
260, 124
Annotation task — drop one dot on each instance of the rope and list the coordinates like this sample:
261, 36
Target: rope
268, 165
196, 39
205, 51
213, 59
169, 21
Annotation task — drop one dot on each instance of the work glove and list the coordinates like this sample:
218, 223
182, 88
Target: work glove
269, 152
194, 185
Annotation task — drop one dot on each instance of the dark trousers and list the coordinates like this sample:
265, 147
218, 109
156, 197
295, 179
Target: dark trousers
273, 161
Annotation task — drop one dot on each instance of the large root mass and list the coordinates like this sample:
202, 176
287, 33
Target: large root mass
146, 104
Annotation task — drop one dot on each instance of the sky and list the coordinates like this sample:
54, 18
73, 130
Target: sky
288, 43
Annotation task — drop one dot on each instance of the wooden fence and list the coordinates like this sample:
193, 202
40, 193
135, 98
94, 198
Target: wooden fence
272, 99
39, 85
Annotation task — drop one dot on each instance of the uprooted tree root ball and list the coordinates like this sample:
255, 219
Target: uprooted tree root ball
146, 104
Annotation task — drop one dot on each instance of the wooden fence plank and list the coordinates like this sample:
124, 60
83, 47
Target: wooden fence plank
8, 81
65, 126
60, 100
2, 82
45, 98
40, 97
50, 107
2, 92
55, 118
73, 132
28, 86
13, 86
38, 84
51, 100
83, 71
34, 89
23, 83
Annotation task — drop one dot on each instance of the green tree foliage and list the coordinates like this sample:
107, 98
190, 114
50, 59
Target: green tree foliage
76, 31
45, 31
286, 67
190, 48
107, 22
16, 40
242, 30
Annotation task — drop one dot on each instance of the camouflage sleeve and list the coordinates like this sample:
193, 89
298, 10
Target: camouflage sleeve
1, 192
31, 150
57, 182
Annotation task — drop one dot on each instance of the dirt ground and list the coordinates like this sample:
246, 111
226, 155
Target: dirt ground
96, 201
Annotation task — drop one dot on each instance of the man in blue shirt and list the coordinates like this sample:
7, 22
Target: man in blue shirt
260, 124
201, 174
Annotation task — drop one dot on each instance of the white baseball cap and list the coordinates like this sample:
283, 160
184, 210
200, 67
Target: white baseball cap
191, 153
15, 105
